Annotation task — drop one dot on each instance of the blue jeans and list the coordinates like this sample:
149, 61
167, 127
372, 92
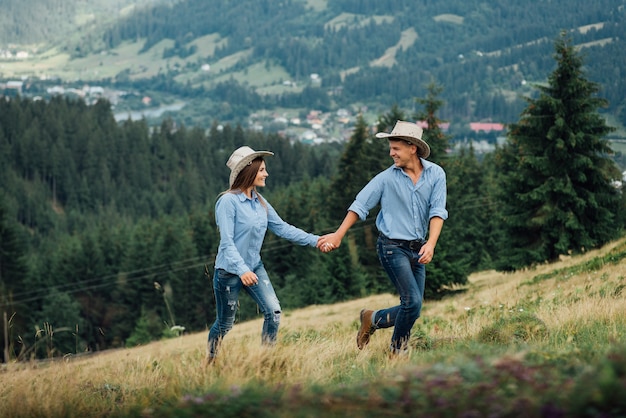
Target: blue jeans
226, 287
409, 277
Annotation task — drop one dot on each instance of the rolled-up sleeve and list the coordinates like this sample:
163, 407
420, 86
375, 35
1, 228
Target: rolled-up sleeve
438, 197
368, 197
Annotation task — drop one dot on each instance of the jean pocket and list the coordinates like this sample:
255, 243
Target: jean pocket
226, 280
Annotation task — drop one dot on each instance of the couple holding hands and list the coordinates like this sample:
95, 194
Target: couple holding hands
412, 197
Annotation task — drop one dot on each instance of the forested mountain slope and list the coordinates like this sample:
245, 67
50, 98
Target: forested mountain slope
52, 21
261, 54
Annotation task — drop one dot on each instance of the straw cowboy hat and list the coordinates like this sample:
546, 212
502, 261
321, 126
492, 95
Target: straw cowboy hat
242, 157
409, 132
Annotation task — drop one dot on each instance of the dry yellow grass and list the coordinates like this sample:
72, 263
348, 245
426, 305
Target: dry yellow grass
316, 344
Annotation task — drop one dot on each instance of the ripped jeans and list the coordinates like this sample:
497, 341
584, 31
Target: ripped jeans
226, 287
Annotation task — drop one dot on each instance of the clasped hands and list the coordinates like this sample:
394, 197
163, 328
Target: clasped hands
328, 243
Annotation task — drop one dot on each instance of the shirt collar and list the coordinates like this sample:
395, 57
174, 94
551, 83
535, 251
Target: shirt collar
242, 196
425, 163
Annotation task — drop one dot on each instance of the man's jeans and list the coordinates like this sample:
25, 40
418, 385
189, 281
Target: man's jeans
408, 276
226, 287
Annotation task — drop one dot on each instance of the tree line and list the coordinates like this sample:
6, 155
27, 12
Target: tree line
107, 232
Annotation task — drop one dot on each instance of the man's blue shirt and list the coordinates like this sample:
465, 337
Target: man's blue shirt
406, 208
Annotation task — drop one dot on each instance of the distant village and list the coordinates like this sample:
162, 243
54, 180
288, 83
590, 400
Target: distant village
320, 127
313, 128
90, 94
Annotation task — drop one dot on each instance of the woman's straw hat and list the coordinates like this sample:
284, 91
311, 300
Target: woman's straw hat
240, 158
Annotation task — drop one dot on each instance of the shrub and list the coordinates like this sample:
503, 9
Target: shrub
520, 326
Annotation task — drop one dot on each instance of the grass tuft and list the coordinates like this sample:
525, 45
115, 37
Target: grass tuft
515, 328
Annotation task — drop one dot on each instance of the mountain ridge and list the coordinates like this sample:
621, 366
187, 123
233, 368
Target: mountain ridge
485, 54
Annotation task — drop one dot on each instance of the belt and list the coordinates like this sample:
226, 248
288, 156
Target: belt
414, 245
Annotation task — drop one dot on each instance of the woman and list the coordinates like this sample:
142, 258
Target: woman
243, 217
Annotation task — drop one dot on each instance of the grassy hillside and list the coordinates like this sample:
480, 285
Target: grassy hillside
548, 339
46, 22
486, 55
52, 59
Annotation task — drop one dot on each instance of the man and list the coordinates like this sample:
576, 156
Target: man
412, 196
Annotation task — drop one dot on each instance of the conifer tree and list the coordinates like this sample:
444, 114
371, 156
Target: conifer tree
60, 324
360, 161
433, 134
352, 175
387, 121
556, 190
377, 150
453, 261
13, 271
471, 211
13, 266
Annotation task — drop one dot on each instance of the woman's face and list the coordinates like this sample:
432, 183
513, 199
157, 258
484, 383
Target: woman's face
261, 175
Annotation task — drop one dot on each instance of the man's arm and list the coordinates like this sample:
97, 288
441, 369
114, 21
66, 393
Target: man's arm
331, 241
428, 250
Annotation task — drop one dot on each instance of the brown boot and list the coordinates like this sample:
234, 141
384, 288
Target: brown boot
367, 328
208, 359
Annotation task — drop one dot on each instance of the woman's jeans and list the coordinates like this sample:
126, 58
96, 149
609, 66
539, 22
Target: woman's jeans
408, 276
226, 287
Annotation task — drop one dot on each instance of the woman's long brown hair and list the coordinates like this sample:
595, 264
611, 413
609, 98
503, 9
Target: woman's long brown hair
246, 178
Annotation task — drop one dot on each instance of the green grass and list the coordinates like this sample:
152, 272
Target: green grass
549, 341
260, 75
125, 57
615, 256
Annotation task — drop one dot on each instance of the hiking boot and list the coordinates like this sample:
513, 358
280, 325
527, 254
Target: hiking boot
208, 358
208, 361
395, 354
367, 328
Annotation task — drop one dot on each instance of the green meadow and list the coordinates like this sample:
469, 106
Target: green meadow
547, 341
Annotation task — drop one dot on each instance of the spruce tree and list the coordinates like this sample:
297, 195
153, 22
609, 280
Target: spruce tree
352, 173
387, 121
361, 160
433, 134
13, 267
454, 258
60, 323
556, 190
13, 273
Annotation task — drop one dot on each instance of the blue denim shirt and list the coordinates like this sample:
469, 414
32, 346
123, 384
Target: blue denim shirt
406, 208
242, 223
